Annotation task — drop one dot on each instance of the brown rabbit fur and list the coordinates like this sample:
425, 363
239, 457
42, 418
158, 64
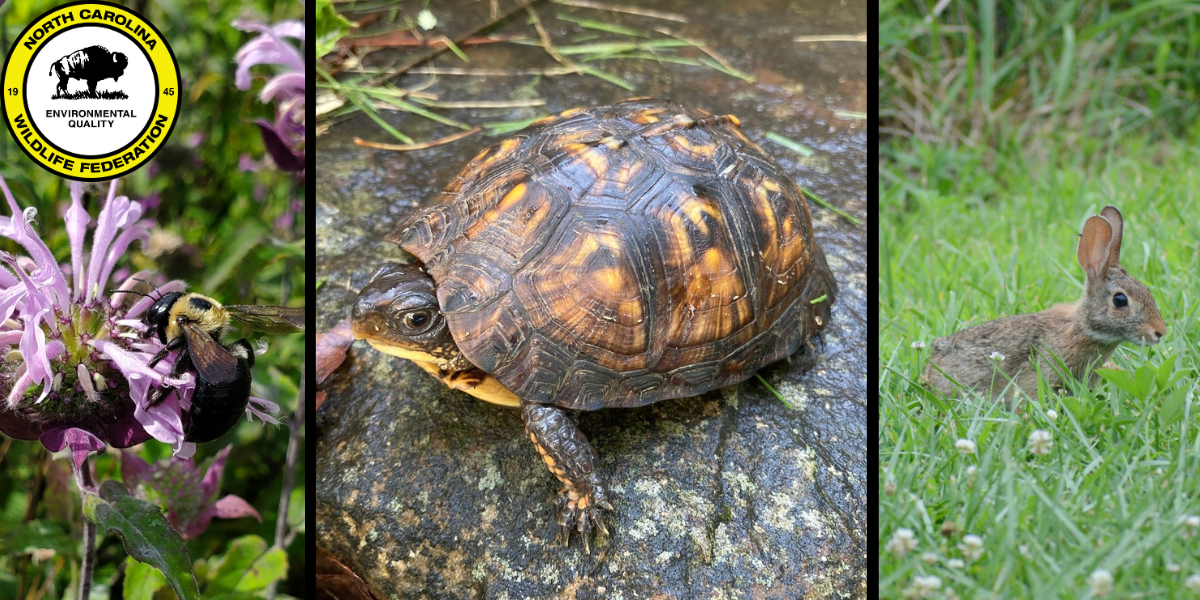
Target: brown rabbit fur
1080, 334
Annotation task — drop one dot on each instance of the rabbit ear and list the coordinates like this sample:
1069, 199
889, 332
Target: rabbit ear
1094, 247
1113, 216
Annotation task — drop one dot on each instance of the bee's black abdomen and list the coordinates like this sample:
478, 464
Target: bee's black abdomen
217, 406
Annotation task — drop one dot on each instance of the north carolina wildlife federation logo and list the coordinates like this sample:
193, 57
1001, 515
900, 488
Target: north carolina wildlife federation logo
90, 90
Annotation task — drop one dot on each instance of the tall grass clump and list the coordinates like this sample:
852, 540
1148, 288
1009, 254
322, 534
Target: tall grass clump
997, 73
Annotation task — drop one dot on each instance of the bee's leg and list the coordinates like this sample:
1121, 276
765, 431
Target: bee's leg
182, 360
174, 344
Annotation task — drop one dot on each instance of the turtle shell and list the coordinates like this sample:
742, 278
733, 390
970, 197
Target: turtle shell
621, 255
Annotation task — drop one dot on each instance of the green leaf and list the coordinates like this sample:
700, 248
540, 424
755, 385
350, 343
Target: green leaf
141, 580
1137, 385
1145, 381
296, 514
1167, 375
1172, 408
248, 566
331, 26
147, 535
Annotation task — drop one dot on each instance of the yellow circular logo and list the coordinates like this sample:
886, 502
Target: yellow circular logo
90, 90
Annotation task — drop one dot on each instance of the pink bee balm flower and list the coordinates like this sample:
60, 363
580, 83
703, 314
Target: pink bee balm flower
73, 360
177, 485
284, 139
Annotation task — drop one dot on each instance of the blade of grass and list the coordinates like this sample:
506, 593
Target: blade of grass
455, 49
662, 58
600, 26
772, 390
835, 210
633, 10
618, 47
354, 95
748, 78
505, 127
794, 146
718, 62
421, 146
482, 103
613, 79
413, 108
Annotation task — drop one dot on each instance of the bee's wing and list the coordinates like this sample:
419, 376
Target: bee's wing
213, 362
268, 319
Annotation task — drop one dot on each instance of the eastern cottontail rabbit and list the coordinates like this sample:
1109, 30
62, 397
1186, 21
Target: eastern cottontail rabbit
1115, 308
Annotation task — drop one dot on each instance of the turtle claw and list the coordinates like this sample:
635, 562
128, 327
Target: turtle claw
583, 514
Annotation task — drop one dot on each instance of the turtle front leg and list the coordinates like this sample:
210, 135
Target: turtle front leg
571, 459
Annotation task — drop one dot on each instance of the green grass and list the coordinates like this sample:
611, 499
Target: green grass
1125, 464
1003, 126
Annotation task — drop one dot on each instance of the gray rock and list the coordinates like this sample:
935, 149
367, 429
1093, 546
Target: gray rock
428, 493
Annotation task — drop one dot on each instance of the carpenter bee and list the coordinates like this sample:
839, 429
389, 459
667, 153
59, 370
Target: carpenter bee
192, 325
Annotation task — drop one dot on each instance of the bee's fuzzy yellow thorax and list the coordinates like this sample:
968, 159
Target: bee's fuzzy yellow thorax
208, 313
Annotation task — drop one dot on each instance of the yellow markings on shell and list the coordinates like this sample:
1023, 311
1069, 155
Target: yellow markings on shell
733, 119
696, 208
512, 197
714, 261
596, 161
764, 204
505, 148
570, 112
612, 279
479, 157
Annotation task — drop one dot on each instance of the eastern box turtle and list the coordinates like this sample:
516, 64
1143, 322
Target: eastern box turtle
603, 257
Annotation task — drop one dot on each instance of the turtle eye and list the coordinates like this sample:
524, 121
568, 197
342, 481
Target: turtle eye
1120, 301
417, 321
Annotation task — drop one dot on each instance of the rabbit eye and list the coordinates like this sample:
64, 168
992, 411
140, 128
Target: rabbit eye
1120, 301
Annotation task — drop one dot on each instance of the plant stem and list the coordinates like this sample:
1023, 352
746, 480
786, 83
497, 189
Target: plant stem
84, 479
289, 476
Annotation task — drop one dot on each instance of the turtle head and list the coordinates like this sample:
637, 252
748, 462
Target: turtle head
398, 314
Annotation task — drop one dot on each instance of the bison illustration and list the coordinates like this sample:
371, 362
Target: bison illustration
90, 64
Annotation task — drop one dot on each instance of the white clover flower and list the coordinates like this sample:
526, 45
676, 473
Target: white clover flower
919, 345
1173, 567
924, 586
955, 563
996, 356
1192, 521
970, 472
929, 558
964, 446
1100, 582
1193, 582
1040, 442
1024, 550
1050, 414
903, 540
971, 546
